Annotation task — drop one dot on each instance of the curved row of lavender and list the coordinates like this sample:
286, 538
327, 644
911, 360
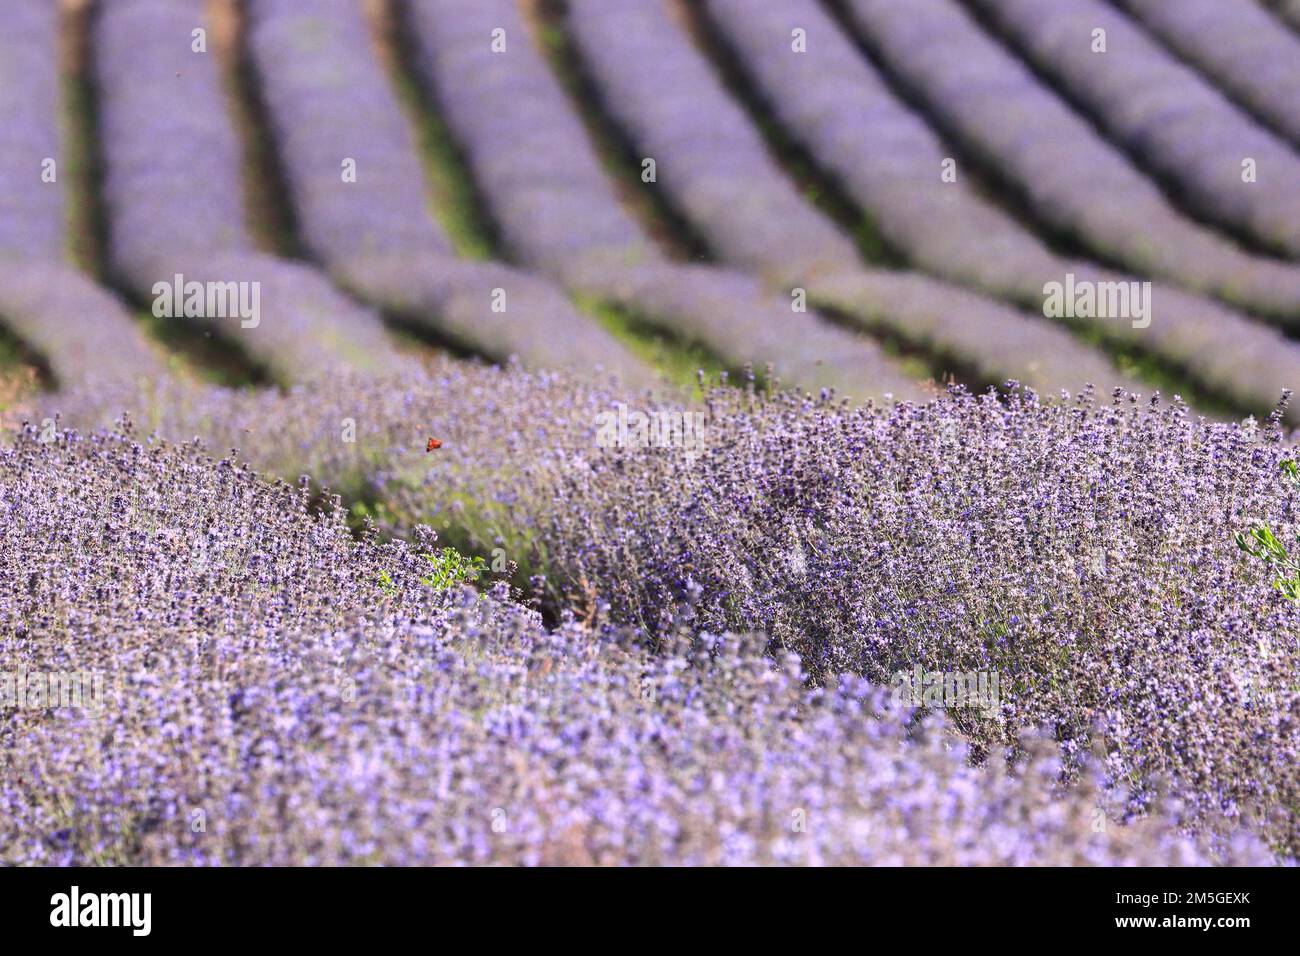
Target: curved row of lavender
76, 328
745, 323
555, 207
80, 332
710, 159
559, 214
1178, 125
329, 106
250, 694
830, 97
179, 210
1248, 53
1072, 179
843, 112
714, 166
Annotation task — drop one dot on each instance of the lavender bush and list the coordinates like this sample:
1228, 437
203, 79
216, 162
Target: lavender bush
506, 433
1083, 550
1073, 180
454, 297
710, 158
530, 155
1175, 122
993, 340
264, 702
329, 101
738, 319
162, 202
841, 109
81, 332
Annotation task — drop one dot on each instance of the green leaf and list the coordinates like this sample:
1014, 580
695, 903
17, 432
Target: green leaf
1269, 542
1290, 588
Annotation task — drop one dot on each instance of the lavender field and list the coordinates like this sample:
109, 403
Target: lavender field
649, 432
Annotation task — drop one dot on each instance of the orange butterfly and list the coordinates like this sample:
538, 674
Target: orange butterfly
433, 443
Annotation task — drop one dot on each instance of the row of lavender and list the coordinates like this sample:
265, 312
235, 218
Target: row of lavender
709, 157
31, 218
559, 213
1072, 179
331, 109
1082, 552
81, 332
842, 111
178, 209
1164, 112
78, 330
1250, 55
716, 169
556, 209
892, 166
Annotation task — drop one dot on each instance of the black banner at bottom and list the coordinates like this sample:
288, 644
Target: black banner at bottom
338, 906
